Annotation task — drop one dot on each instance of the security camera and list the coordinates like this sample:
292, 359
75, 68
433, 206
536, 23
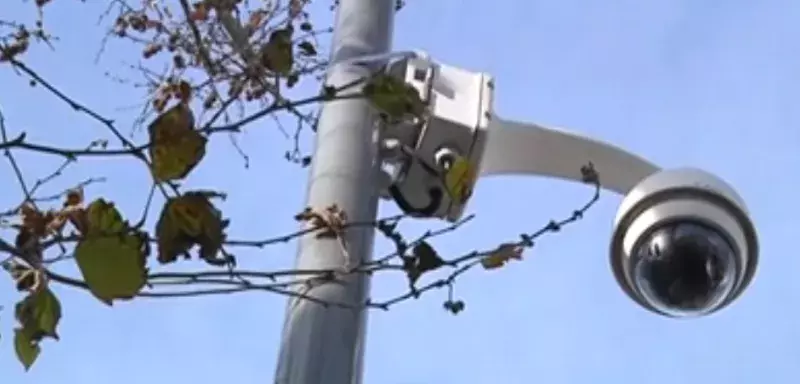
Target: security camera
683, 244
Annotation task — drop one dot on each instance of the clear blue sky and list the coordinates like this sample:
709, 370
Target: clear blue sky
710, 83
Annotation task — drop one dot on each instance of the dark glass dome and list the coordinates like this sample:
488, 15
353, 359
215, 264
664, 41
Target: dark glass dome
684, 269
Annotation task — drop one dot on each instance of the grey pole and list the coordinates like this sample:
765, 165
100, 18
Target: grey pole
324, 345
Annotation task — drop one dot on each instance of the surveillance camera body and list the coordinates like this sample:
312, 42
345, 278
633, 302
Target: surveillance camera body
653, 213
458, 111
668, 199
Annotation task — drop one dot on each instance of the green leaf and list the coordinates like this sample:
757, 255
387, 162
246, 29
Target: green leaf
103, 218
306, 27
111, 257
393, 96
27, 350
113, 267
39, 314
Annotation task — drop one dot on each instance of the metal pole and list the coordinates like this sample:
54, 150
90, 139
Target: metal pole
324, 345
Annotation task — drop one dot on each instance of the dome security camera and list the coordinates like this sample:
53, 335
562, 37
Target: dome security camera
683, 244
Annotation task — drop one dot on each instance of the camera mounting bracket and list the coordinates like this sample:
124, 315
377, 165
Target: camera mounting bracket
460, 120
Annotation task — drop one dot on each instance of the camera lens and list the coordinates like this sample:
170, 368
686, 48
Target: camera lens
685, 269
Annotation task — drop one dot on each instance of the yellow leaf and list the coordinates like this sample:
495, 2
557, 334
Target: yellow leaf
111, 257
502, 255
186, 221
460, 179
175, 146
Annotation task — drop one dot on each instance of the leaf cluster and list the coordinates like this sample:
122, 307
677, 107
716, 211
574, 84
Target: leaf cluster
218, 55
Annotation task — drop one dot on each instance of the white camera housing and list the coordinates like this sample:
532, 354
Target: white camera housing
676, 196
459, 110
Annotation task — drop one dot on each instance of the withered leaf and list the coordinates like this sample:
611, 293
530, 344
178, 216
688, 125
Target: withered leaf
186, 221
175, 146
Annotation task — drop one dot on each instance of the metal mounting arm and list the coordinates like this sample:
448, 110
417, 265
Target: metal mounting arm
525, 148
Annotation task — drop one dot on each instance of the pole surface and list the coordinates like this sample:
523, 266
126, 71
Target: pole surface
324, 345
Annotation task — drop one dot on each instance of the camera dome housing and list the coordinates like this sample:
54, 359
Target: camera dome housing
683, 244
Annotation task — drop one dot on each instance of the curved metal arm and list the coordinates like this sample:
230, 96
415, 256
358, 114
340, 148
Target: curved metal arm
524, 148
